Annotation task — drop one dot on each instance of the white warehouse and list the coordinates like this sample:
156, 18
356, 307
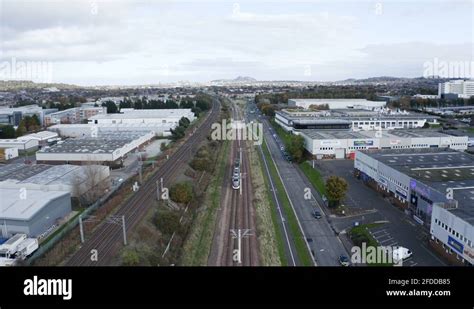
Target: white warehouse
336, 103
343, 143
109, 148
144, 116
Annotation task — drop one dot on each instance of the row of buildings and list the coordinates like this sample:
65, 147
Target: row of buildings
351, 126
435, 186
73, 160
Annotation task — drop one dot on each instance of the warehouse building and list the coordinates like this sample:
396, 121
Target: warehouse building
435, 186
31, 211
339, 144
22, 145
144, 116
354, 119
107, 148
336, 103
77, 180
44, 138
8, 154
82, 130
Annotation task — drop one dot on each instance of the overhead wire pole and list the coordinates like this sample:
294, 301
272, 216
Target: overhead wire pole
110, 220
239, 234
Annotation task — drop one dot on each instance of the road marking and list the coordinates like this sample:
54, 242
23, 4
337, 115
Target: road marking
386, 240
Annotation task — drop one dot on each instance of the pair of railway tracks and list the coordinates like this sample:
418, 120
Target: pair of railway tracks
105, 241
240, 243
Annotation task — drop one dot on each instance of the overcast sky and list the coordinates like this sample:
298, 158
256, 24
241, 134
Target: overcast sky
92, 42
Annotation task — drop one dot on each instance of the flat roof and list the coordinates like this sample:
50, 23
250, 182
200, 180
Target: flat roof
335, 100
39, 135
20, 171
14, 208
439, 168
347, 134
105, 142
145, 113
342, 115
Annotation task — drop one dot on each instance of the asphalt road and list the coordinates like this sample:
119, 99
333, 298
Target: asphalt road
399, 230
322, 239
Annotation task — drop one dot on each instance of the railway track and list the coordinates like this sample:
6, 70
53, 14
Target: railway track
107, 238
241, 213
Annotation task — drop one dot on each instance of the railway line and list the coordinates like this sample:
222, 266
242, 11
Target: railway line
106, 239
237, 213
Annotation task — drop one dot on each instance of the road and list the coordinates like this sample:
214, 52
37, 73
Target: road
324, 244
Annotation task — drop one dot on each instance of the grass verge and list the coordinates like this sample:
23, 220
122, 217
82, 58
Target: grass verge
314, 177
300, 244
360, 234
198, 245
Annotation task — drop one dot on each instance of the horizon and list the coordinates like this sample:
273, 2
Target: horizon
101, 43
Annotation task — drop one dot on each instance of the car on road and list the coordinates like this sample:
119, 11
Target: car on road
344, 260
317, 214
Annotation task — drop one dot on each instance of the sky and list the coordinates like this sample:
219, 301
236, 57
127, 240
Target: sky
121, 42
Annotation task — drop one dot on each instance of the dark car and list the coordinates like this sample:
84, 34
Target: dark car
317, 214
344, 260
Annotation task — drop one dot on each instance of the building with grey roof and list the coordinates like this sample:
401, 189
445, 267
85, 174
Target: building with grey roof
336, 103
354, 119
75, 179
436, 186
31, 211
101, 147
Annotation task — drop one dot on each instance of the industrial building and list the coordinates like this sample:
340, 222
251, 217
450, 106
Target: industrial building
335, 103
8, 154
108, 148
31, 211
354, 119
341, 144
460, 88
73, 115
144, 116
13, 115
22, 145
81, 130
77, 180
435, 186
44, 138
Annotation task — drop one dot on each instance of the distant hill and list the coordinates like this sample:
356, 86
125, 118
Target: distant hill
238, 79
6, 85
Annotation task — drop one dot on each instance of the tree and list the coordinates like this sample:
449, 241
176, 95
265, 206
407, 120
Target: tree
130, 257
336, 188
111, 107
21, 130
184, 122
168, 222
181, 192
296, 148
177, 133
7, 131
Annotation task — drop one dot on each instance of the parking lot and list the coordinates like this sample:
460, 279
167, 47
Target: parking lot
400, 229
386, 239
